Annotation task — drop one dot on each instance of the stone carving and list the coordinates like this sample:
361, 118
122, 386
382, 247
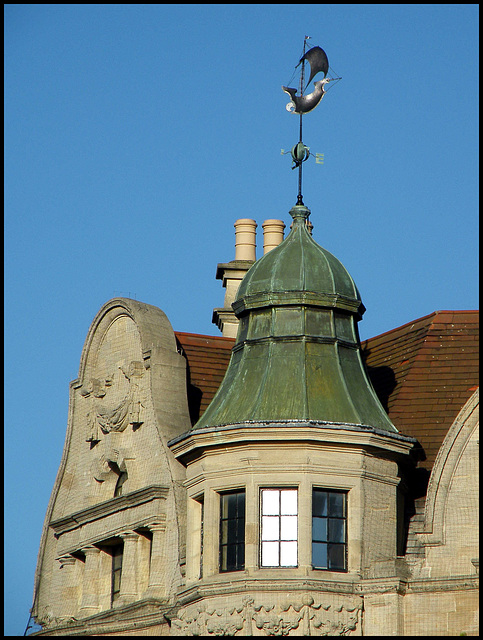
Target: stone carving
46, 619
304, 617
114, 402
101, 469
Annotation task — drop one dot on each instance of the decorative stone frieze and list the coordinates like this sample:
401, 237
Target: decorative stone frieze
257, 616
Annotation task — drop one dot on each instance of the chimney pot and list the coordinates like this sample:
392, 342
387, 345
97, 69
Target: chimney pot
245, 239
272, 234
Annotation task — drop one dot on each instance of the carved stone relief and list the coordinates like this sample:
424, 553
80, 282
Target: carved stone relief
114, 402
302, 617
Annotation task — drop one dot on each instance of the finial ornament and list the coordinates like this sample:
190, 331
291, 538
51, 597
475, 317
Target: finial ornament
302, 104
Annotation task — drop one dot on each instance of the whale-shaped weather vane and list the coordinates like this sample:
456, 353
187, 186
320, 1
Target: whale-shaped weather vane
317, 58
302, 104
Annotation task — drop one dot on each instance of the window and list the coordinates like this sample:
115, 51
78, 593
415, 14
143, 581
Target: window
329, 530
279, 509
117, 552
232, 531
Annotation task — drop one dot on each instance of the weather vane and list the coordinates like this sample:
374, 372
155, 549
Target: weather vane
301, 104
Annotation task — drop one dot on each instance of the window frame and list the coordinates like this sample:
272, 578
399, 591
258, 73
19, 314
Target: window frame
328, 518
239, 541
116, 571
280, 540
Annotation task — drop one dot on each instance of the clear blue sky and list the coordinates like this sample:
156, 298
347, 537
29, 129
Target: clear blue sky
135, 136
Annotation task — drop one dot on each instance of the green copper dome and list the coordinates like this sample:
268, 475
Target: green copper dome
297, 354
299, 266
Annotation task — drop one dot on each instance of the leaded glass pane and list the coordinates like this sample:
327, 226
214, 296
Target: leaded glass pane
288, 502
240, 553
231, 557
319, 529
336, 557
336, 530
288, 528
224, 531
270, 502
319, 503
270, 528
319, 555
240, 530
241, 502
288, 554
336, 505
231, 504
270, 557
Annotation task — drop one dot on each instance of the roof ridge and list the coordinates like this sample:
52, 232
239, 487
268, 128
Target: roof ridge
203, 335
417, 320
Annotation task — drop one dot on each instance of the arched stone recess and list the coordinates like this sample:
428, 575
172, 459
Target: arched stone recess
449, 536
116, 472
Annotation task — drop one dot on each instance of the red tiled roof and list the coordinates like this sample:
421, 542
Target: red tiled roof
423, 372
207, 359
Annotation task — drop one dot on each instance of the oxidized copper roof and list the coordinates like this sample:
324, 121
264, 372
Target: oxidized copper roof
423, 372
299, 269
296, 356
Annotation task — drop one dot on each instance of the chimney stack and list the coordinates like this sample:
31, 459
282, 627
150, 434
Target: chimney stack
232, 273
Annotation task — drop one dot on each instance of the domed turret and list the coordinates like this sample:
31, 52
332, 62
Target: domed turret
299, 269
297, 354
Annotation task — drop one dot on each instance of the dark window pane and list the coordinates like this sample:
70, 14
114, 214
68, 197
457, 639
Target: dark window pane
336, 505
336, 530
232, 532
319, 529
224, 531
223, 558
241, 503
337, 557
230, 506
231, 557
240, 530
233, 506
117, 552
319, 555
116, 583
319, 503
241, 556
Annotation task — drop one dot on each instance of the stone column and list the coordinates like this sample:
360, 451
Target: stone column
157, 569
129, 589
67, 602
272, 234
305, 525
245, 239
90, 583
211, 533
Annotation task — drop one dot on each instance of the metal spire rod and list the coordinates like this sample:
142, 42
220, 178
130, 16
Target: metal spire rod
302, 80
